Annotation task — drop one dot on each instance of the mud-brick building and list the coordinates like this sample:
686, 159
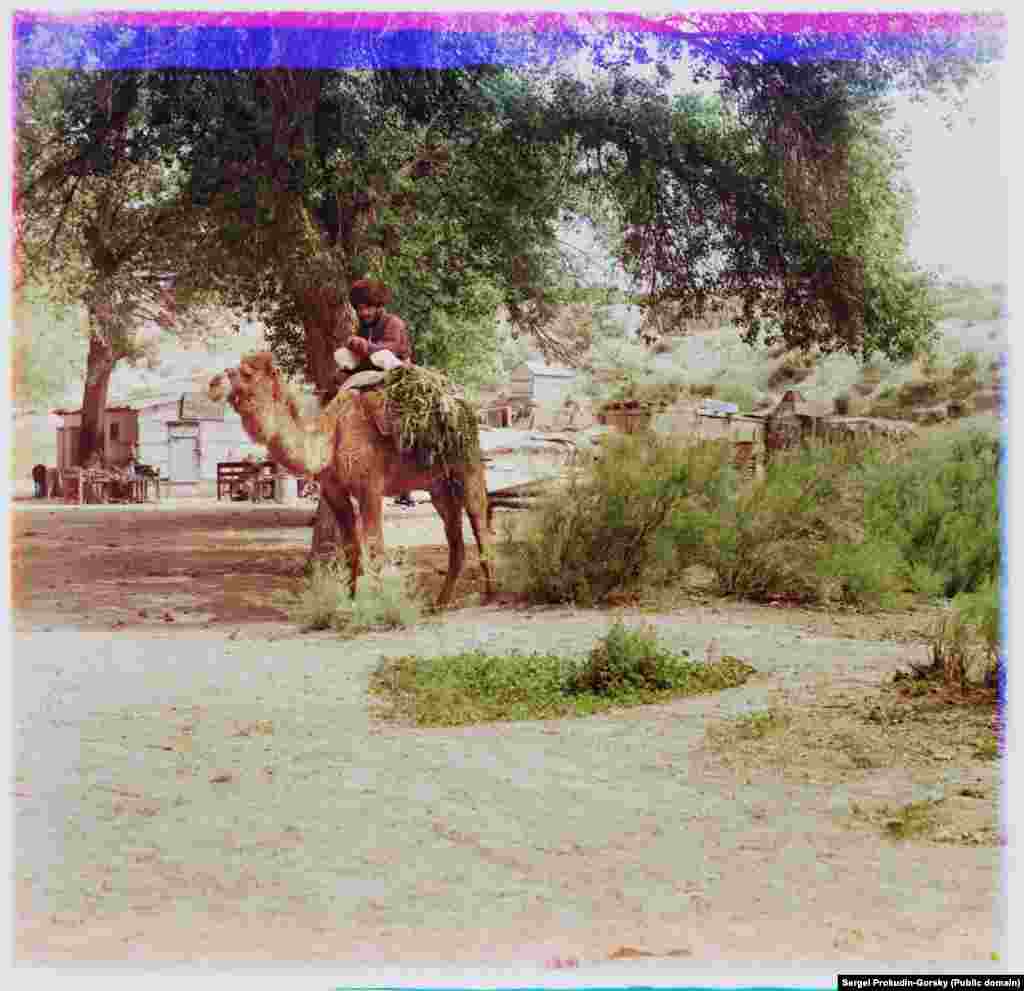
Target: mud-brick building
793, 420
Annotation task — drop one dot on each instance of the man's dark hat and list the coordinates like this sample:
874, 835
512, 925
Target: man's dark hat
369, 292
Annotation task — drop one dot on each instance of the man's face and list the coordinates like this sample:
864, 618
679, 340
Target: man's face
367, 314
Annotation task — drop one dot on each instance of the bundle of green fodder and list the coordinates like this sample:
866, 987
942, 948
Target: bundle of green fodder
433, 420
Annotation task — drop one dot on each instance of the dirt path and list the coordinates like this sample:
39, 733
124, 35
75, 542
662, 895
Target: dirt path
215, 787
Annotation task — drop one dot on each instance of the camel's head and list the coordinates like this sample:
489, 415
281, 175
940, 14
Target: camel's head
255, 382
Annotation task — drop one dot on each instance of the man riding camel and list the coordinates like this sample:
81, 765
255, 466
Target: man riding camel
381, 344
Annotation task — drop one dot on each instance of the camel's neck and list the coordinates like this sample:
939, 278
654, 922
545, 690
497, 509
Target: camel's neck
299, 445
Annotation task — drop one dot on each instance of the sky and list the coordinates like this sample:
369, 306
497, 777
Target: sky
961, 178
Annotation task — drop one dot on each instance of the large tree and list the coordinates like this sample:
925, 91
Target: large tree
100, 223
451, 184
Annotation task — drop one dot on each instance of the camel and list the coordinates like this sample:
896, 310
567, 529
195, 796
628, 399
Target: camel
346, 450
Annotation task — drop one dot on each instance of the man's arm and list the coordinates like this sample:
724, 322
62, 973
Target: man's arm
392, 337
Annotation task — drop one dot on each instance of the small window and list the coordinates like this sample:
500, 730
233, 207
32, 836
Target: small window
115, 431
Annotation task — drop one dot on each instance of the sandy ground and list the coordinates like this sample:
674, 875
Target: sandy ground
200, 783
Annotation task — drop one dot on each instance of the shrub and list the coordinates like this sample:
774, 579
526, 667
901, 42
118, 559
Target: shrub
941, 509
766, 538
610, 530
625, 661
966, 642
626, 667
384, 599
628, 663
869, 575
323, 597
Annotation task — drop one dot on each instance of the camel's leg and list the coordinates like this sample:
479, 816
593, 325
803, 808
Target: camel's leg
371, 511
338, 499
449, 508
478, 512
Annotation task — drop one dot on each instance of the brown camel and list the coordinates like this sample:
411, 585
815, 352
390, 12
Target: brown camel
345, 449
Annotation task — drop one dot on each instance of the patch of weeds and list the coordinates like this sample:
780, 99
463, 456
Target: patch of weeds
968, 819
986, 746
624, 668
915, 819
753, 726
385, 599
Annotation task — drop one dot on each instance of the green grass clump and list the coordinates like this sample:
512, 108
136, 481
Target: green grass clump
384, 600
626, 667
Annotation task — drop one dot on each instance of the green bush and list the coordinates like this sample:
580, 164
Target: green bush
611, 529
983, 610
966, 640
766, 538
940, 508
868, 575
626, 661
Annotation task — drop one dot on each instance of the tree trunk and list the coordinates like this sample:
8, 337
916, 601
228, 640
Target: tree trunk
331, 327
99, 366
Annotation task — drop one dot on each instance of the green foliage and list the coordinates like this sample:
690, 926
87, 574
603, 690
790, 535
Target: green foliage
611, 529
965, 641
766, 538
625, 667
47, 349
471, 687
871, 574
384, 599
941, 508
626, 661
983, 610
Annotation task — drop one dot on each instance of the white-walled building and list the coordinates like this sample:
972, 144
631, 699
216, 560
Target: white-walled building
184, 436
542, 383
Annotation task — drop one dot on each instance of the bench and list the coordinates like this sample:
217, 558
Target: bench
233, 476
